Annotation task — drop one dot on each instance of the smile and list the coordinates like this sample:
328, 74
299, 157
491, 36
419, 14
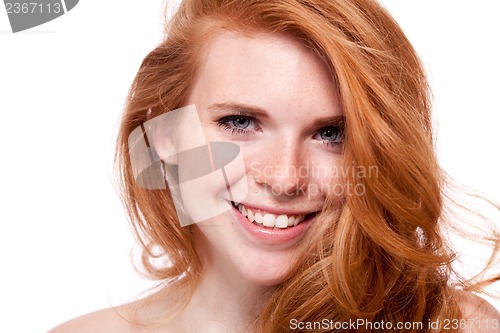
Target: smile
270, 220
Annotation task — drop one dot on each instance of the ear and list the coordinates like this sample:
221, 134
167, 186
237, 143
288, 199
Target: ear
160, 137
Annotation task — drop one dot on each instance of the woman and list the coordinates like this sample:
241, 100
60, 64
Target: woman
277, 163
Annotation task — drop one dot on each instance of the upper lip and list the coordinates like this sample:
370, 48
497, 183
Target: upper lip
279, 211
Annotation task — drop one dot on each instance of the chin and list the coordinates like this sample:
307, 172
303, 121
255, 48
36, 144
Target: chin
268, 269
235, 254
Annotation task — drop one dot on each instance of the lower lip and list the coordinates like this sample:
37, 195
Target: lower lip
273, 236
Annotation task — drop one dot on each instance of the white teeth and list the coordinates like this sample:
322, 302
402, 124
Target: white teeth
298, 219
269, 220
281, 221
250, 216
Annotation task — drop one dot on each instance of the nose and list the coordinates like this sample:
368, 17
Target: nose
283, 168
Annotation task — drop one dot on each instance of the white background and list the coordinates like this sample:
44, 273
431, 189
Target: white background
64, 239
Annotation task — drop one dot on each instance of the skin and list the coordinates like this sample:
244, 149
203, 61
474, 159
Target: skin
291, 86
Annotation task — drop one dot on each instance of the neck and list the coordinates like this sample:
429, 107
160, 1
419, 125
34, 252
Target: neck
224, 301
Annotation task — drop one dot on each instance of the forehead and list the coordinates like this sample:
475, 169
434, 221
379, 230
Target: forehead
273, 70
229, 49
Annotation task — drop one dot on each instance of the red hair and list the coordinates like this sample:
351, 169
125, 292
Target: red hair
382, 255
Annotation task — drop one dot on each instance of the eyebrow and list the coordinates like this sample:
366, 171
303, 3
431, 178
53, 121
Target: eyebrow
255, 111
338, 121
243, 109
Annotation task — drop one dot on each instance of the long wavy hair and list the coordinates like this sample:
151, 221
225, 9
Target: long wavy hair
382, 256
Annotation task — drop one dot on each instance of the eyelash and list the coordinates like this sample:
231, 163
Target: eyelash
224, 123
339, 131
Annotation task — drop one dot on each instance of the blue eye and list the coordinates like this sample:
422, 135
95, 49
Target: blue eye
331, 135
238, 124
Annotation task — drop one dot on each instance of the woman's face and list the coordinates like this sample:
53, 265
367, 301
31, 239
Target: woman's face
272, 97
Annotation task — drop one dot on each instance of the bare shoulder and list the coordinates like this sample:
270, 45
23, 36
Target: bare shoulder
481, 315
140, 316
103, 321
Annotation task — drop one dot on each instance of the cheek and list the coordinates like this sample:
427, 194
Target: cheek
205, 197
324, 176
210, 180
